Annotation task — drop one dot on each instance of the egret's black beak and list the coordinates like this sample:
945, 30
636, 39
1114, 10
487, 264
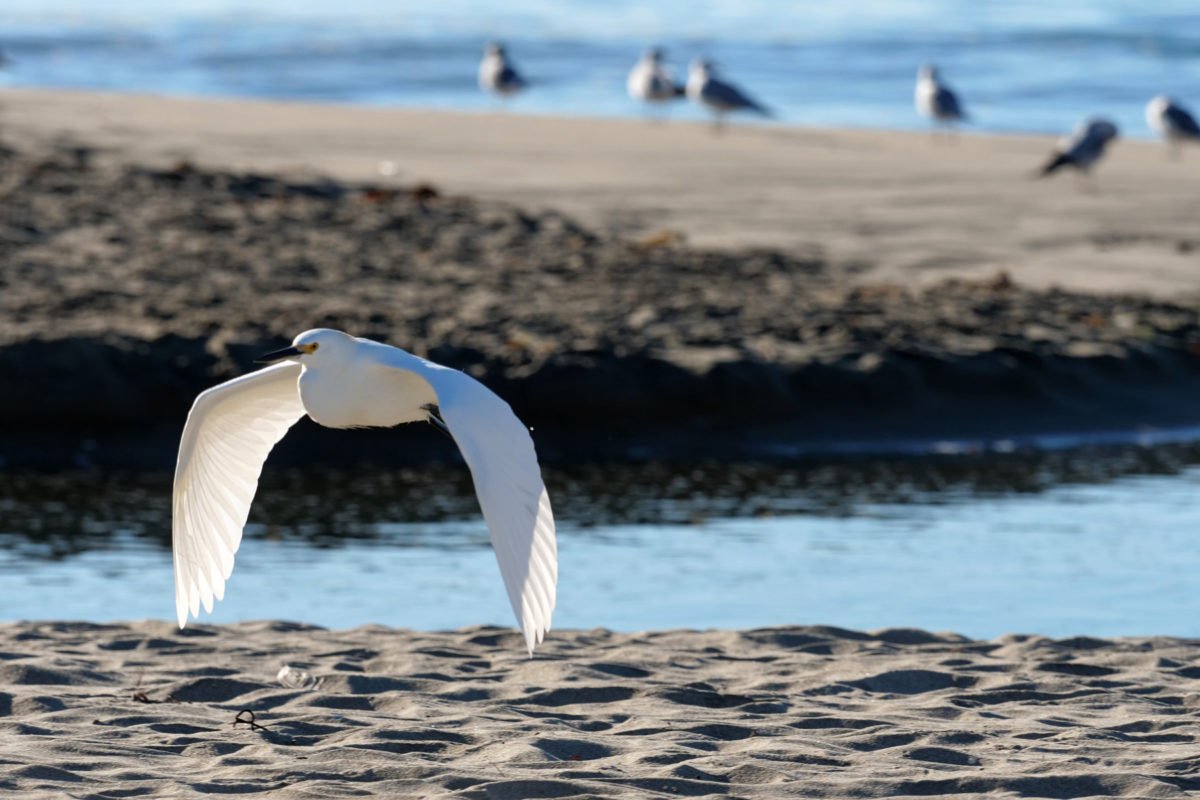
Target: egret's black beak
279, 355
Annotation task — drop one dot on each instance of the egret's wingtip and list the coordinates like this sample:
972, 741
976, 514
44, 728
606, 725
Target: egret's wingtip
181, 613
533, 638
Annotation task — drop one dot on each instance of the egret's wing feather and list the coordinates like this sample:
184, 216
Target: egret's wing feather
229, 432
500, 454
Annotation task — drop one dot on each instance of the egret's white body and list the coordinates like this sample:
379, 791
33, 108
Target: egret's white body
719, 97
650, 81
344, 382
935, 99
1172, 122
497, 74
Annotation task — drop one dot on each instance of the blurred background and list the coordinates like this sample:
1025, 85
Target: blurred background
1023, 66
982, 529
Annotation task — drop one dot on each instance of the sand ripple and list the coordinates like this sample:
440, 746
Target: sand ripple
139, 710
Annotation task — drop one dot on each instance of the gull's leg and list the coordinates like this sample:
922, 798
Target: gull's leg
435, 419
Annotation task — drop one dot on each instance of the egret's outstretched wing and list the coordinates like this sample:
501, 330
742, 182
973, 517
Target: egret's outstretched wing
500, 454
229, 432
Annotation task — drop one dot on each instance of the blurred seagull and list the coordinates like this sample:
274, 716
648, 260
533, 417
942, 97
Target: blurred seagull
343, 382
1083, 148
497, 74
936, 100
720, 98
651, 82
1172, 122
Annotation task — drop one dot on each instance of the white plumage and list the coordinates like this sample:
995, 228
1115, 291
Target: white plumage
935, 99
652, 82
1174, 123
497, 74
1170, 120
344, 382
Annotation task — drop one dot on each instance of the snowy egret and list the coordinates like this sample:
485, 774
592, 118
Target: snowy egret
652, 82
717, 96
497, 73
1083, 148
935, 99
1172, 122
344, 382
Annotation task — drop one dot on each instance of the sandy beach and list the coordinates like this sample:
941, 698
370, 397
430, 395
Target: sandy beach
130, 710
789, 288
153, 247
909, 210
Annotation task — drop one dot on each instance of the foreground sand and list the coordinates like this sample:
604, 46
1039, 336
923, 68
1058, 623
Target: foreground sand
912, 211
91, 711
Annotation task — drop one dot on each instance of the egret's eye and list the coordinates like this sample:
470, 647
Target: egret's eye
308, 349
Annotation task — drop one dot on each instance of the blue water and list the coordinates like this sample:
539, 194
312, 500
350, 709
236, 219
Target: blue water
1021, 66
1105, 544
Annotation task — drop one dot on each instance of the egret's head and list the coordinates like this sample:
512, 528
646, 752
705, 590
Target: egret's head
308, 347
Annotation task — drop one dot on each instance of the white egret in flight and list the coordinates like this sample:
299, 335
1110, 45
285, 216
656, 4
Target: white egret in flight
344, 382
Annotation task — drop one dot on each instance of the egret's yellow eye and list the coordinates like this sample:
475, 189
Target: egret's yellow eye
309, 348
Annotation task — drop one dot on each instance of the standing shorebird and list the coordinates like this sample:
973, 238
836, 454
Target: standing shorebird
1083, 148
717, 96
343, 382
497, 75
936, 100
651, 82
1173, 122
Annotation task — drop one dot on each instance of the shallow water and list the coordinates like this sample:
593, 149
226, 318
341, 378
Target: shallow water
1020, 65
1100, 541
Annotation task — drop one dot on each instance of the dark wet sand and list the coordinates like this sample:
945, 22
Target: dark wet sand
125, 290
